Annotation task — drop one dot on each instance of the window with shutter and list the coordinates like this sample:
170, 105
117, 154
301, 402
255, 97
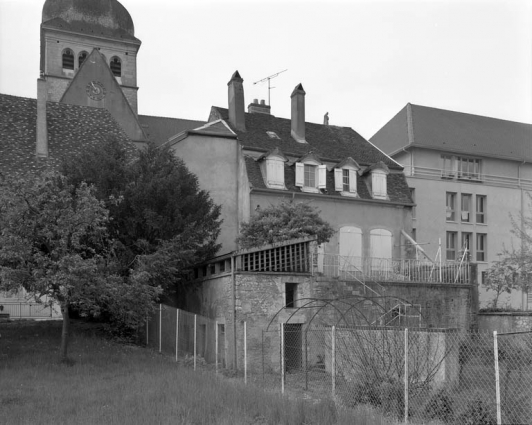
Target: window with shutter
378, 183
275, 173
345, 181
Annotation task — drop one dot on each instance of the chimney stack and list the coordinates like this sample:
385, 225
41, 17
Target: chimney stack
259, 108
298, 114
236, 102
42, 127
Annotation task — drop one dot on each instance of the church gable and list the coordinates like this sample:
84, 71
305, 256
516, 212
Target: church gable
95, 85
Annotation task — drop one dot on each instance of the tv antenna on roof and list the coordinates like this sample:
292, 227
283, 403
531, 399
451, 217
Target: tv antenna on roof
269, 78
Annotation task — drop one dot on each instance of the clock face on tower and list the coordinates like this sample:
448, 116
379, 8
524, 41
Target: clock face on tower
95, 90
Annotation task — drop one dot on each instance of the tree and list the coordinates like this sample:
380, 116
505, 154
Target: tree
514, 268
55, 244
164, 222
282, 222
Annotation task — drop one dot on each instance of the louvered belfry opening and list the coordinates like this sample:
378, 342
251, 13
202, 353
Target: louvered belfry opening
81, 58
116, 66
68, 59
286, 258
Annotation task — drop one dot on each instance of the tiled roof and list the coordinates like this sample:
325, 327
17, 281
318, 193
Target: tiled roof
70, 129
160, 129
326, 141
398, 190
456, 132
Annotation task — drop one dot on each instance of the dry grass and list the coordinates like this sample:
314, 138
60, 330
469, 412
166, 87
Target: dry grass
110, 383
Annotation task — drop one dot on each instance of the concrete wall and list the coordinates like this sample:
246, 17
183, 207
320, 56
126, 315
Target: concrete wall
505, 322
504, 201
219, 166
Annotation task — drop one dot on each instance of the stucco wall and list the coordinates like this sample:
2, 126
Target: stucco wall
341, 212
217, 162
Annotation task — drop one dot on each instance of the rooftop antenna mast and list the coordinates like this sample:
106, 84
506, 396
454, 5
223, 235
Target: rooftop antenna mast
269, 78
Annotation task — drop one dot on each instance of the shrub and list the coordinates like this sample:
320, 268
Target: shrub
440, 406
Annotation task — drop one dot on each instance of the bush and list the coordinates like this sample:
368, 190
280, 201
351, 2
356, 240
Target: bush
440, 406
477, 412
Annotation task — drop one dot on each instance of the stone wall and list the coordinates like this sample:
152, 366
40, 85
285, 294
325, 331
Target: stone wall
260, 300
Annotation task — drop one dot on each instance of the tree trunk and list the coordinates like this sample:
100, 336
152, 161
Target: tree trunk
65, 331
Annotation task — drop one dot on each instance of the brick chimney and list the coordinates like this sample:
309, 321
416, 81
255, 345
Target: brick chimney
298, 114
259, 108
42, 126
237, 110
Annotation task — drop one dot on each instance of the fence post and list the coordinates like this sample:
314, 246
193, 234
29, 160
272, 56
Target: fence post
497, 388
406, 375
281, 330
160, 326
147, 330
333, 360
216, 345
245, 353
195, 337
176, 333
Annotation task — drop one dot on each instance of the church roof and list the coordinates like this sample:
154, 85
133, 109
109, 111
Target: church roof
160, 129
451, 131
71, 128
106, 18
329, 142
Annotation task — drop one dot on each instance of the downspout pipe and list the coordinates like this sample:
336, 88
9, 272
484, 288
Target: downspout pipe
233, 281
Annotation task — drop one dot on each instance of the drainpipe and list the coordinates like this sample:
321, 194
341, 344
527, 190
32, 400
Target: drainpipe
233, 280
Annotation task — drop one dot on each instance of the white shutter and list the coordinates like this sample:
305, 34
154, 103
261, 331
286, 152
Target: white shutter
379, 185
322, 176
279, 172
270, 171
300, 174
352, 181
338, 180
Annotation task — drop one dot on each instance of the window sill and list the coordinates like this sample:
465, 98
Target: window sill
278, 187
349, 194
310, 189
466, 222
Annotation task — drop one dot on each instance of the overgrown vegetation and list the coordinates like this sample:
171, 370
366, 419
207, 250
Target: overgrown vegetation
283, 222
108, 383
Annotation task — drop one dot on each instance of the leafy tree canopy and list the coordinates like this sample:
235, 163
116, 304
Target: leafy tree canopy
282, 222
163, 220
55, 244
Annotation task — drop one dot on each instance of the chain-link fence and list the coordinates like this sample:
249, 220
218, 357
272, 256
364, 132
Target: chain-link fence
185, 335
445, 376
436, 376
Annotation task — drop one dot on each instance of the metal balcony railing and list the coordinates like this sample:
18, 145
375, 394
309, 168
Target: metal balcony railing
392, 270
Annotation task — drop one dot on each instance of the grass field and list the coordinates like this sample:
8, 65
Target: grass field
111, 383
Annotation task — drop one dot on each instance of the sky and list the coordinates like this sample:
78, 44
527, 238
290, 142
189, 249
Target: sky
360, 61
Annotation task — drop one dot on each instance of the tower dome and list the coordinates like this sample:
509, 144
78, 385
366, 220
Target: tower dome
106, 18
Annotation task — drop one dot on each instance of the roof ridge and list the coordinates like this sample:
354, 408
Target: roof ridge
169, 118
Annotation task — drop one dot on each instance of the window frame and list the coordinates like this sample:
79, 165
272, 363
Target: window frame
345, 180
450, 210
469, 161
465, 212
481, 212
481, 251
320, 176
275, 176
450, 251
115, 59
290, 291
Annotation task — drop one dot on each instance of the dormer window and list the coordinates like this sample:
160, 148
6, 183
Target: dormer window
272, 168
378, 184
345, 177
311, 174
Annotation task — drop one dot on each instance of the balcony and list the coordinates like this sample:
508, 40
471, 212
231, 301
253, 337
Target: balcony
392, 270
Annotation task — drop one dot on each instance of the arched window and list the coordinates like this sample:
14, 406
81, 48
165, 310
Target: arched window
81, 58
116, 66
68, 59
